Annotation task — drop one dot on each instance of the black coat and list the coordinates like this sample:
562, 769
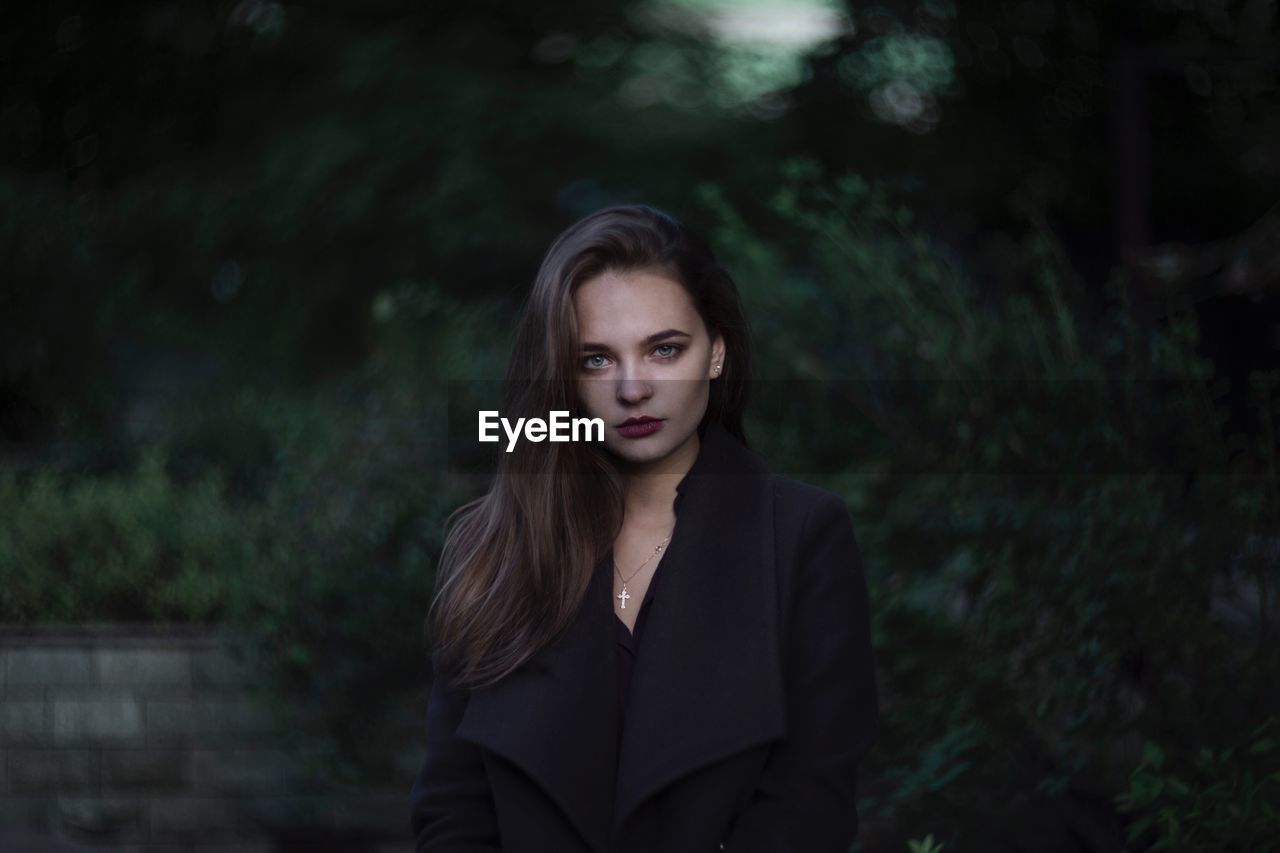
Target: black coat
752, 703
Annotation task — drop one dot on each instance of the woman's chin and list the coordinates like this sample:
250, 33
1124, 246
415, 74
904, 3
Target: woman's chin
638, 451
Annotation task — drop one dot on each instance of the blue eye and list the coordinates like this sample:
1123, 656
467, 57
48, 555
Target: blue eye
586, 362
675, 350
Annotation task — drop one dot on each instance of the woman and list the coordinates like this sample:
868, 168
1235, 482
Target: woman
577, 703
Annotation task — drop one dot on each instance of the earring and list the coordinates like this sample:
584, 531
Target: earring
717, 370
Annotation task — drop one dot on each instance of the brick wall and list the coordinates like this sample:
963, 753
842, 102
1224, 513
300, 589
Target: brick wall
142, 738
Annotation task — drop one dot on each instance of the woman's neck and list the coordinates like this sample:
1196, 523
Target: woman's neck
650, 494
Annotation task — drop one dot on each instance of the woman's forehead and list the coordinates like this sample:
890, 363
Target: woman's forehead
632, 306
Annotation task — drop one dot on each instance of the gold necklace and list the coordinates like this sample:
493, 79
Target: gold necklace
624, 595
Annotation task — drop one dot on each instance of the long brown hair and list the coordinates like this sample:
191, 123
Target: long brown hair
518, 560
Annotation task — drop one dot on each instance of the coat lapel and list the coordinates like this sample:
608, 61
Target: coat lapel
708, 678
707, 681
555, 717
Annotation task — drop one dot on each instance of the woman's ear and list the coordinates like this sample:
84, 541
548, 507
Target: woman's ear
717, 356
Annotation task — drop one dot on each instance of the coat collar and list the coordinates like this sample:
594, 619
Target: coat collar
707, 682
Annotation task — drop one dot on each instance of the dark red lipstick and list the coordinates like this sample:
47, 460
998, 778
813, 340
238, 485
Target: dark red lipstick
639, 427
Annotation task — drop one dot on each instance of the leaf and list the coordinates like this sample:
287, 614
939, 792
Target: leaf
1153, 755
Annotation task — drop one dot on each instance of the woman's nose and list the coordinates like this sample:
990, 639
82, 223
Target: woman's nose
633, 387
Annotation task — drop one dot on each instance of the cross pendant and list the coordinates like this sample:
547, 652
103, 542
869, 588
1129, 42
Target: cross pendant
623, 596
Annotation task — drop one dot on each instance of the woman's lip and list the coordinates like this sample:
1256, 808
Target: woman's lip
640, 430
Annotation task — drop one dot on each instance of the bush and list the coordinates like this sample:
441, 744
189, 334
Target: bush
1066, 555
348, 539
1067, 558
129, 547
1212, 800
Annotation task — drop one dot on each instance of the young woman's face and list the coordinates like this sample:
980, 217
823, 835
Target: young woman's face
645, 355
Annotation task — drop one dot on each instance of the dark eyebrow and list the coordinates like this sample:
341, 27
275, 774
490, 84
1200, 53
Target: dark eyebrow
652, 339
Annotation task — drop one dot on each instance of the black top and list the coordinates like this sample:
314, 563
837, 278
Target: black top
629, 642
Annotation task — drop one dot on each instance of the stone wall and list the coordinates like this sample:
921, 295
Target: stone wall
143, 738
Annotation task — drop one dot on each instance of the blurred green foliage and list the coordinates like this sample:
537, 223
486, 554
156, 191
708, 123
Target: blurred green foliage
128, 547
245, 246
925, 845
1033, 625
1227, 799
1032, 629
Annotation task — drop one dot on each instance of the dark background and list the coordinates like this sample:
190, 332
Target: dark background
245, 246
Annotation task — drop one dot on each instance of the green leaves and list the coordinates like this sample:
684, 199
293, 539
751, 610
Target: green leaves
1046, 585
1218, 799
924, 845
132, 546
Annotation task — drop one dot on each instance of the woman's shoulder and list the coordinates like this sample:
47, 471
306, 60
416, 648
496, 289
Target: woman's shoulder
814, 537
797, 493
797, 503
